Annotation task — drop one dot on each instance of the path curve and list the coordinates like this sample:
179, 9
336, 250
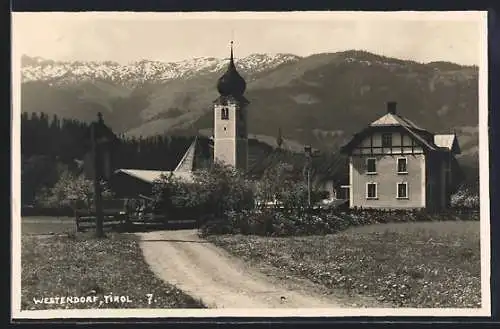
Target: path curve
205, 271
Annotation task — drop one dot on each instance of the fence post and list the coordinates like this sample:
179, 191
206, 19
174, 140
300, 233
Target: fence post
97, 187
77, 221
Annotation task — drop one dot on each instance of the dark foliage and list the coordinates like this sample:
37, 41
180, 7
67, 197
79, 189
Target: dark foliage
212, 193
51, 146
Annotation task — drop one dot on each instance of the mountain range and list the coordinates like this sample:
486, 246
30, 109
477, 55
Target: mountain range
320, 99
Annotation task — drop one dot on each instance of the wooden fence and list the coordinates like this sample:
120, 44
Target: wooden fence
117, 213
114, 213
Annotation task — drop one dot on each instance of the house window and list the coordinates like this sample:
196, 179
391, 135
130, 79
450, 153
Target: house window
402, 191
402, 166
387, 140
371, 190
371, 166
224, 113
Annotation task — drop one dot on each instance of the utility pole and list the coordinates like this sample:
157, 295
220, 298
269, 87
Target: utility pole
279, 139
308, 152
309, 187
97, 186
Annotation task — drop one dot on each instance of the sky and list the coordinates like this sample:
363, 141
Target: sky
169, 37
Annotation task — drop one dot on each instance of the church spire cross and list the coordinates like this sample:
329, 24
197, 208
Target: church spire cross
232, 50
231, 56
231, 82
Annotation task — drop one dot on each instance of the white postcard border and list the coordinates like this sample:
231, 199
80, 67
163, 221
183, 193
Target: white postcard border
485, 310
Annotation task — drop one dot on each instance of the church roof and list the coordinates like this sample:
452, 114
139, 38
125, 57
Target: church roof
150, 176
184, 169
231, 83
224, 100
187, 162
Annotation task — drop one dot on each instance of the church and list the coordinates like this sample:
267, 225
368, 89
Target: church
231, 145
229, 140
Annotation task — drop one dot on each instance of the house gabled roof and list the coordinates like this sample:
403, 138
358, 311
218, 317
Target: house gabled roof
423, 137
448, 141
391, 119
386, 120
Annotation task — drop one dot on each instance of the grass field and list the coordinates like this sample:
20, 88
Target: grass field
434, 264
47, 225
79, 265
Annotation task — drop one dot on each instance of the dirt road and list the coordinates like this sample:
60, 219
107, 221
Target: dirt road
221, 281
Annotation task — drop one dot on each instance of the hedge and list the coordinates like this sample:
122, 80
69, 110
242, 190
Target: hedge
291, 223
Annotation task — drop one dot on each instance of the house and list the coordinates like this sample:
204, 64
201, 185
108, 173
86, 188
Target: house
395, 164
132, 182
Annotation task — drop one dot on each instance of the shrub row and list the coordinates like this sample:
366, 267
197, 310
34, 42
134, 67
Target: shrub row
292, 223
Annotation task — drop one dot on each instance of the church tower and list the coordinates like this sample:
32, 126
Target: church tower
230, 119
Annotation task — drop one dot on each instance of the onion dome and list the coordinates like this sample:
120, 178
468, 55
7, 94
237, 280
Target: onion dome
231, 83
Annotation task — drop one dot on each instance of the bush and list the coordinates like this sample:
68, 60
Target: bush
465, 198
216, 227
280, 185
225, 199
210, 197
69, 191
278, 222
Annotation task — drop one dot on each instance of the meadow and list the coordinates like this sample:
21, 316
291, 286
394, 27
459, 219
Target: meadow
57, 262
419, 264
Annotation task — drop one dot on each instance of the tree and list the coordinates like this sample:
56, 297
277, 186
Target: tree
37, 172
282, 187
212, 193
225, 188
71, 190
276, 180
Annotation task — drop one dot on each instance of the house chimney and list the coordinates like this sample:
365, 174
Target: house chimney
391, 107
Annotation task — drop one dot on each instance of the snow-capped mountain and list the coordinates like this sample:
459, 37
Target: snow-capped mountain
40, 69
319, 99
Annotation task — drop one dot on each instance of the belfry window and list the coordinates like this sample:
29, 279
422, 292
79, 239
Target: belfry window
224, 114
